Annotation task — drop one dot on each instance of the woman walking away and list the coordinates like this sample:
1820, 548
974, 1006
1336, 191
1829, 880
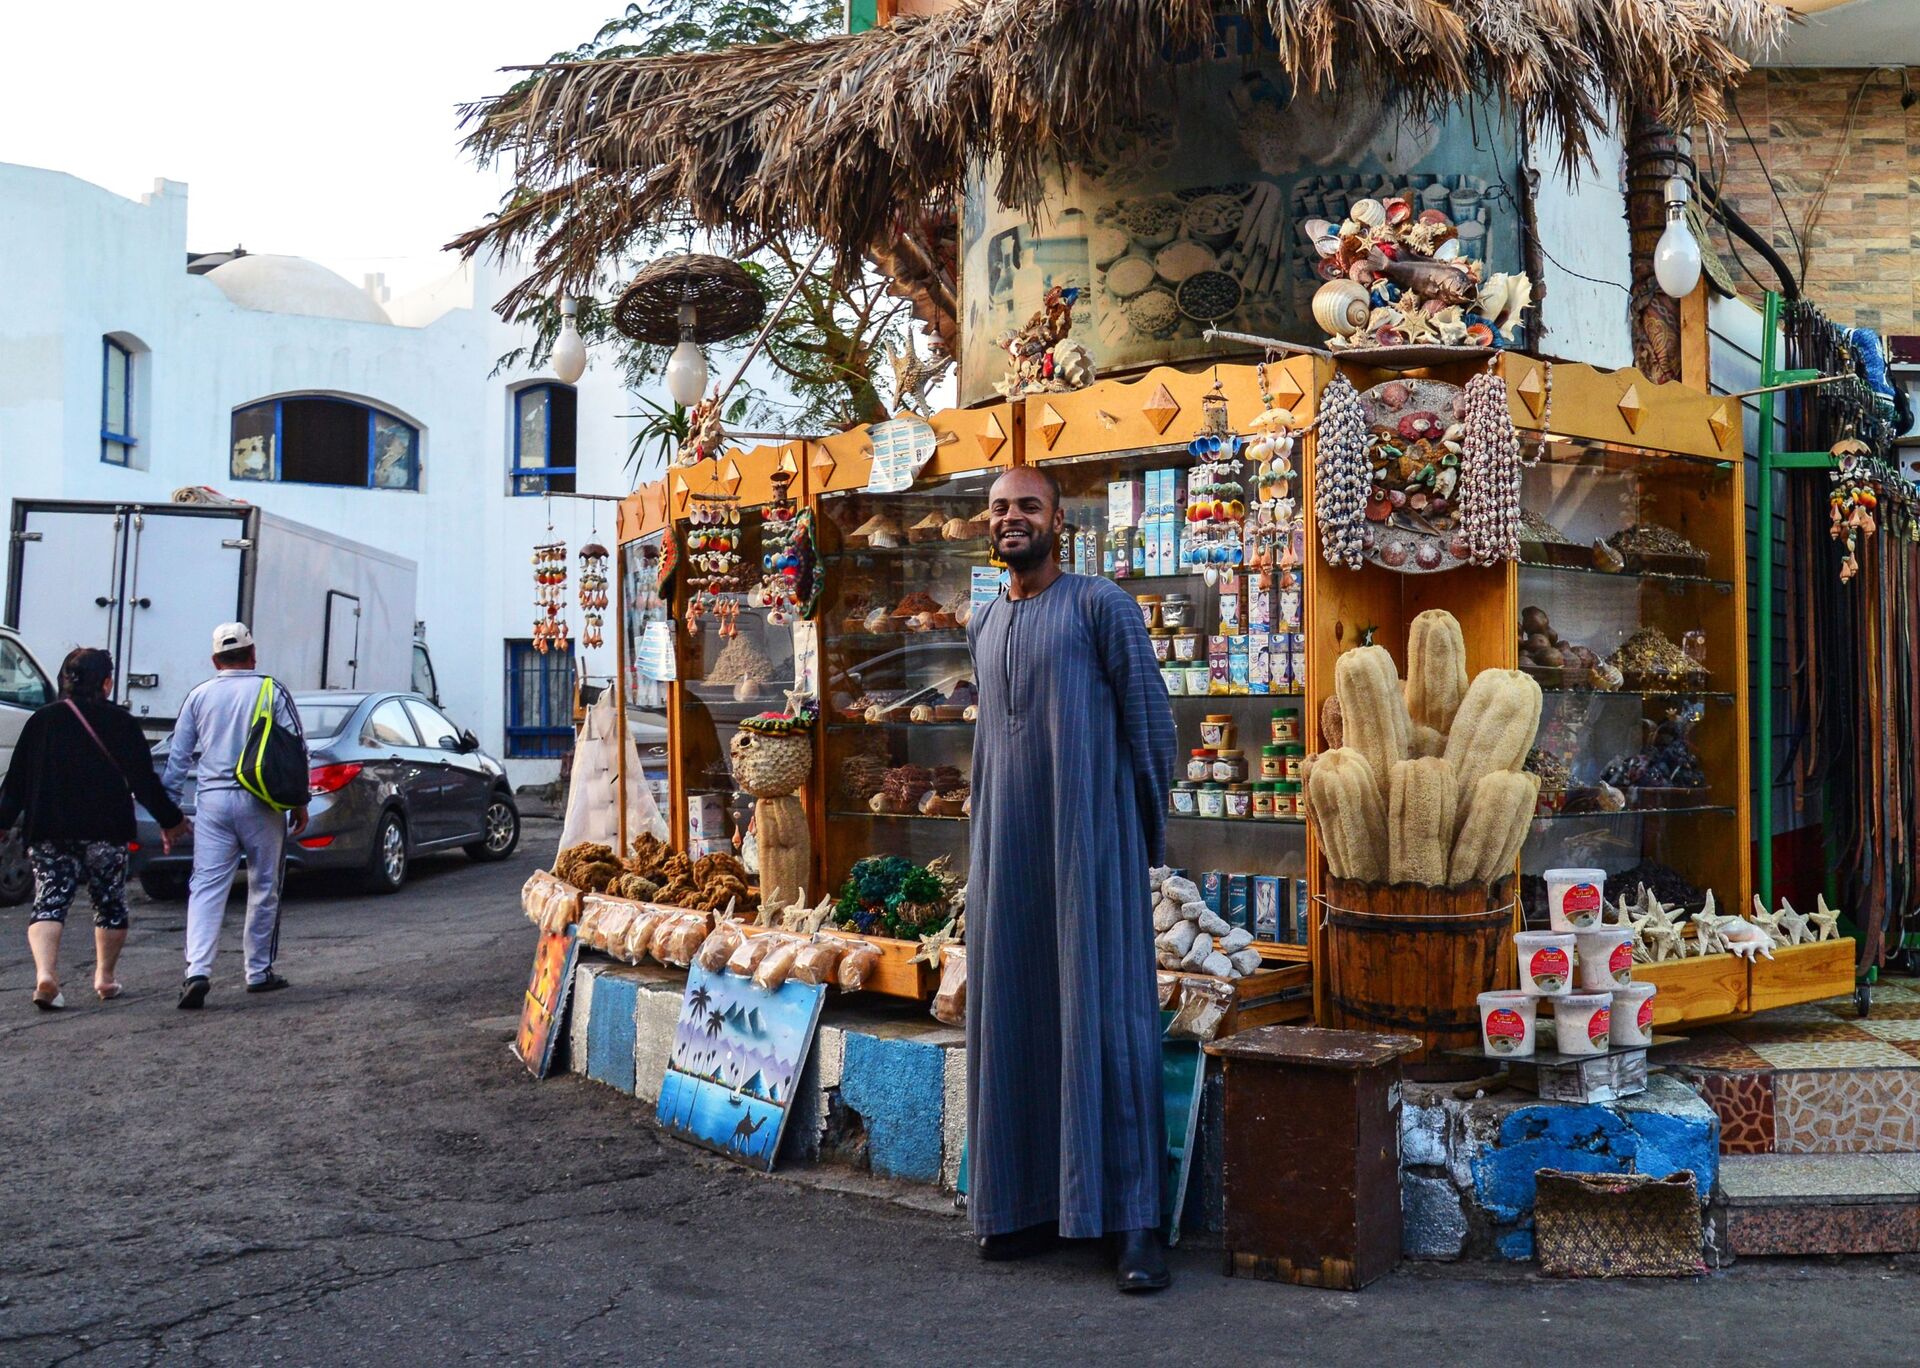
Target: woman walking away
79, 764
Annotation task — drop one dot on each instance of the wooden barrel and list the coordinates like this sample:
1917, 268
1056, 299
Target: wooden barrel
1415, 960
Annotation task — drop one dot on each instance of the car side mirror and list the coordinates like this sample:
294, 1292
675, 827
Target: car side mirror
469, 743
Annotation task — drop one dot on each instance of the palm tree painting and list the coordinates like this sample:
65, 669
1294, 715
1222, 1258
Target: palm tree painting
699, 1000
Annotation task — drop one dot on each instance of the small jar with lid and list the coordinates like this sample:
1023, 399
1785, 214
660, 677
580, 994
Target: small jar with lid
1186, 799
1263, 797
1286, 726
1150, 610
1175, 679
1162, 641
1272, 764
1229, 767
1200, 764
1216, 730
1286, 799
1197, 678
1186, 645
1176, 611
1239, 801
1291, 756
1213, 800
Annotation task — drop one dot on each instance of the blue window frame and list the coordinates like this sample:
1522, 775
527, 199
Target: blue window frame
545, 439
318, 439
116, 404
539, 701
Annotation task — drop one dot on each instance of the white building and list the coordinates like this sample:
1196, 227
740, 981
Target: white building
241, 378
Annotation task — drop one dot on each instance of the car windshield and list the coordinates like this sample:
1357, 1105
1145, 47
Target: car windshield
326, 719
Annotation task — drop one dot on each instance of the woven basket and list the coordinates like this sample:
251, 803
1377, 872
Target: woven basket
726, 300
1617, 1225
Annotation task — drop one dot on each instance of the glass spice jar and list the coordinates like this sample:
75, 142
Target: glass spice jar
1291, 756
1263, 800
1272, 764
1286, 726
1213, 800
1239, 800
1175, 679
1150, 610
1186, 799
1162, 641
1200, 765
1229, 767
1176, 611
1286, 800
1186, 645
1216, 730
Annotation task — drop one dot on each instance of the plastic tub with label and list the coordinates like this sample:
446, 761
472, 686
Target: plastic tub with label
1546, 962
1506, 1024
1582, 1023
1604, 958
1632, 1022
1575, 898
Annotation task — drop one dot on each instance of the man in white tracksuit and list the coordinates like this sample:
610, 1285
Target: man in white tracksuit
228, 821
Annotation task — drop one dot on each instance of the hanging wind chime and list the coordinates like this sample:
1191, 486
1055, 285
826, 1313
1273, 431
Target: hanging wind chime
1216, 498
713, 547
593, 594
1273, 516
790, 586
549, 597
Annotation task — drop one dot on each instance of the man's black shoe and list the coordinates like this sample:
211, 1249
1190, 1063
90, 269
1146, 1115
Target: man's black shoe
1141, 1266
194, 992
272, 983
1019, 1244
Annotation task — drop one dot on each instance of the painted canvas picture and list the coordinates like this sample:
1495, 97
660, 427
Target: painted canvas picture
738, 1053
544, 1009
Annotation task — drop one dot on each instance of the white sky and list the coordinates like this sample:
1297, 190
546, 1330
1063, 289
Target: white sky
327, 131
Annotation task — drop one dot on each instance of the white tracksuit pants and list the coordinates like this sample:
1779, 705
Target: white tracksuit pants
226, 824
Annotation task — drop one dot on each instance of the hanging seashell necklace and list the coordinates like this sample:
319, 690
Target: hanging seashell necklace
1490, 473
1341, 475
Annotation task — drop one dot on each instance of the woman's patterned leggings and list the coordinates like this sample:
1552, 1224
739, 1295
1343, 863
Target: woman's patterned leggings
59, 867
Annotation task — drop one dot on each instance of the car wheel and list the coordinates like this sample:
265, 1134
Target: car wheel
16, 871
387, 866
161, 886
502, 830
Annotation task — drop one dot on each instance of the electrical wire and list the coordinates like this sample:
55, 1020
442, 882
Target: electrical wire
1785, 218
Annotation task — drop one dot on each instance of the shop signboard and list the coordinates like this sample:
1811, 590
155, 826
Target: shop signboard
1195, 219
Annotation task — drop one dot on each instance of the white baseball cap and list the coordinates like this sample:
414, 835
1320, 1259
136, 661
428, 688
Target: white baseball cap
231, 636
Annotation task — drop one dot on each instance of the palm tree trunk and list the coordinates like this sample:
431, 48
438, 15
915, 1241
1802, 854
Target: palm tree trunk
1653, 156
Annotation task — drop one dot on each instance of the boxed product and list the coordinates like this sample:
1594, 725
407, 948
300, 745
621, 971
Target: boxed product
1300, 911
1219, 676
986, 585
1238, 666
1170, 525
1268, 905
706, 818
1288, 608
1239, 896
1126, 503
1150, 546
1213, 890
1259, 663
1231, 603
1259, 608
719, 845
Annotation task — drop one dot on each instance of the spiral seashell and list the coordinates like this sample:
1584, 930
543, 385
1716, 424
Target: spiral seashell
1341, 307
1493, 297
1368, 211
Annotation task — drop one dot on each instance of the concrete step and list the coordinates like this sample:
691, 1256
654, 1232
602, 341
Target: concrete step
1792, 1204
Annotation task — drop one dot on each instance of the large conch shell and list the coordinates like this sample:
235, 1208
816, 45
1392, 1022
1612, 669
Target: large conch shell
1368, 211
1519, 296
1342, 307
1492, 299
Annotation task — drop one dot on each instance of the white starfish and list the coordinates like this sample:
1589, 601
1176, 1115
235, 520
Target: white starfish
1793, 925
1662, 933
1825, 920
1768, 922
931, 946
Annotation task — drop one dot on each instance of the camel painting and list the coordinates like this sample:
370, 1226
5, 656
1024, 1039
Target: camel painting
737, 1057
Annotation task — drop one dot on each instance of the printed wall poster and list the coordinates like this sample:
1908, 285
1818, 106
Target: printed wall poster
543, 1011
1194, 219
738, 1054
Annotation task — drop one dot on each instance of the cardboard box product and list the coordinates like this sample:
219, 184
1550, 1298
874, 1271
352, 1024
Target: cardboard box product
1239, 899
1230, 604
1267, 906
707, 818
1259, 608
1302, 911
1219, 674
1213, 890
1238, 665
1126, 503
1259, 663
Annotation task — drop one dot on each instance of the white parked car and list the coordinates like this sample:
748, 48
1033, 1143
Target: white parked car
24, 687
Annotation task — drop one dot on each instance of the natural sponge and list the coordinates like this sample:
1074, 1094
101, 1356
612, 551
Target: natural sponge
1420, 822
1494, 826
1350, 815
1493, 729
1373, 710
1436, 669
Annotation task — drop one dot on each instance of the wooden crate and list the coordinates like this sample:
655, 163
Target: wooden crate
1800, 973
1692, 991
1269, 996
896, 975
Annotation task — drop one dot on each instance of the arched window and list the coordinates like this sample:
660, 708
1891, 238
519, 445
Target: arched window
545, 423
318, 439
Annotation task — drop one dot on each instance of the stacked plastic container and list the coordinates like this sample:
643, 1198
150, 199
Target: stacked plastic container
1583, 967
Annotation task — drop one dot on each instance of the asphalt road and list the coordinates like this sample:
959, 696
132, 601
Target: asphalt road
356, 1170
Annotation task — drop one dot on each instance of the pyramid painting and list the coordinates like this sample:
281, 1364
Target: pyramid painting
738, 1053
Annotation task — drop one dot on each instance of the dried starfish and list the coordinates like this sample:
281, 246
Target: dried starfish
1825, 920
931, 946
1793, 925
1768, 922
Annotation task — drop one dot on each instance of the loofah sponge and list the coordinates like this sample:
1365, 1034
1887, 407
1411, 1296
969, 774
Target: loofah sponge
1436, 669
1423, 742
1494, 827
1350, 814
1493, 729
1420, 822
1373, 710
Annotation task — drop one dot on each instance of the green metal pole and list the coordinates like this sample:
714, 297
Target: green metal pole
1769, 367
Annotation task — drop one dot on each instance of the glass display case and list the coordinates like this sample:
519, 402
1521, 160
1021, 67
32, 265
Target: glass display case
1629, 620
643, 613
901, 574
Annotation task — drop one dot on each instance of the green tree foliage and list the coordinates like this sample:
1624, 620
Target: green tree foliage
828, 346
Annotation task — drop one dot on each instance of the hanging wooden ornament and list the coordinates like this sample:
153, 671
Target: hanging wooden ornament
550, 632
593, 594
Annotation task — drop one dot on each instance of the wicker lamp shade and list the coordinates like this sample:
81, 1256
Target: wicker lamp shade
726, 300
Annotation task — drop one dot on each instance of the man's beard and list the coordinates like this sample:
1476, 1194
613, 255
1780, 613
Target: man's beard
1039, 550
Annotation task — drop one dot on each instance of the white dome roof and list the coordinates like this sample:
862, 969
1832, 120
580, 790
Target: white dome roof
294, 285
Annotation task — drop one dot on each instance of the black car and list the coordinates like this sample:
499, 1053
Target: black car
391, 778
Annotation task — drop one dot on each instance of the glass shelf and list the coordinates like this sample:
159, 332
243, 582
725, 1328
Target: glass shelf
967, 550
903, 725
1638, 695
1710, 809
1626, 576
853, 816
1237, 821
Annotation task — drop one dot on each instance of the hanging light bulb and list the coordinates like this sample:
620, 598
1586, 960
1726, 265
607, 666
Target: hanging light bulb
569, 349
1676, 261
687, 367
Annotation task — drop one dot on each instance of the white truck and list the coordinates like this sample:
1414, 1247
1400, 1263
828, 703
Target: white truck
149, 582
24, 687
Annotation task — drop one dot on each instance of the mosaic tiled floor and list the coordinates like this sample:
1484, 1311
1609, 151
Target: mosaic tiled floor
1813, 1079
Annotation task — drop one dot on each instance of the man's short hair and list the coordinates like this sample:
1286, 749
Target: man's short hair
235, 658
1047, 476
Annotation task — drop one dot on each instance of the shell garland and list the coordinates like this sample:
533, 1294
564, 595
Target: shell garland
1490, 475
1341, 474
